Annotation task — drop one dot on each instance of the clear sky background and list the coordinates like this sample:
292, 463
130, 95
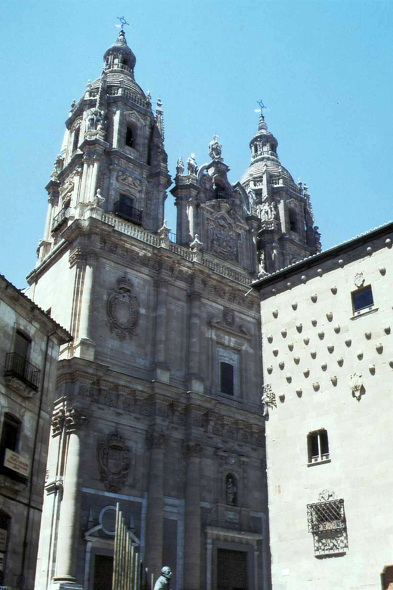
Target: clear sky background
323, 68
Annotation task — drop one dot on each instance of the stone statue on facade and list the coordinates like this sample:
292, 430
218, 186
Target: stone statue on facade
267, 211
163, 581
58, 166
180, 167
215, 149
192, 166
95, 120
230, 490
262, 263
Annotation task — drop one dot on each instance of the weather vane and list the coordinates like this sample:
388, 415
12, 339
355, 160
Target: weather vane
261, 105
122, 22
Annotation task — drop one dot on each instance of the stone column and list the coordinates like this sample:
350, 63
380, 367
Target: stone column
194, 377
86, 344
192, 517
69, 526
156, 441
161, 344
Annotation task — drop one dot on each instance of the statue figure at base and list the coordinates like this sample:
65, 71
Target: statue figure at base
163, 581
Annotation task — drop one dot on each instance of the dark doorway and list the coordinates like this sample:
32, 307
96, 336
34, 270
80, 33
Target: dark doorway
231, 570
103, 570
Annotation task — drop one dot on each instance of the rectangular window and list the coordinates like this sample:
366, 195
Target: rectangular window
362, 299
129, 137
226, 378
318, 446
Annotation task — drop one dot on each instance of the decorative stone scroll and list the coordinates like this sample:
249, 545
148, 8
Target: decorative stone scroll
268, 399
123, 309
114, 463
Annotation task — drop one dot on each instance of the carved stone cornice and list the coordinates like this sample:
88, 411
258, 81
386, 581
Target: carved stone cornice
75, 419
194, 296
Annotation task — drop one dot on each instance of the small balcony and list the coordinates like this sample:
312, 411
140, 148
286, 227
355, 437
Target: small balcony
60, 218
16, 366
128, 212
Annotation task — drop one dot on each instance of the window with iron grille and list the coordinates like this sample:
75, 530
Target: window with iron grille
327, 523
318, 446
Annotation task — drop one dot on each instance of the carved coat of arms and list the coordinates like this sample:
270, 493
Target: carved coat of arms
113, 461
123, 309
223, 239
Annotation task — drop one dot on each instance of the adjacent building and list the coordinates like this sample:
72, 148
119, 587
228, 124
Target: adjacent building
158, 396
29, 350
327, 329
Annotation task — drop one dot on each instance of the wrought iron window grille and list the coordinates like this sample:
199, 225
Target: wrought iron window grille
327, 523
60, 218
128, 212
17, 366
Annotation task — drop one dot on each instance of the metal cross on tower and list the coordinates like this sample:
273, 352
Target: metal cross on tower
261, 105
123, 22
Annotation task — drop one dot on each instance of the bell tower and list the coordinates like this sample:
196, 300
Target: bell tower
286, 222
112, 153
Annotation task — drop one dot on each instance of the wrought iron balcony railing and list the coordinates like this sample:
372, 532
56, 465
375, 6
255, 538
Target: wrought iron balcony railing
60, 218
17, 366
128, 212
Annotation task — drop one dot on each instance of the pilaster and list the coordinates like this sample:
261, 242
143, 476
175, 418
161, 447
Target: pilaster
192, 537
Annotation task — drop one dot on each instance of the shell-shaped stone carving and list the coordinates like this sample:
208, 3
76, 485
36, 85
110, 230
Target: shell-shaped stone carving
303, 278
329, 316
337, 329
387, 330
391, 364
341, 262
299, 327
270, 338
320, 272
334, 290
372, 369
282, 398
379, 348
299, 392
289, 378
340, 362
321, 335
306, 341
290, 346
306, 373
382, 271
368, 335
314, 298
348, 342
313, 354
324, 366
334, 380
330, 348
275, 313
314, 322
369, 250
289, 284
296, 360
294, 306
281, 365
359, 354
388, 242
284, 333
316, 386
275, 352
269, 369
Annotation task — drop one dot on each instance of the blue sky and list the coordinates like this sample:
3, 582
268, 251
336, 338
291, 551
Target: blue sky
323, 69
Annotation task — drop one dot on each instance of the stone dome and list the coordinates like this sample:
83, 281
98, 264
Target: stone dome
275, 169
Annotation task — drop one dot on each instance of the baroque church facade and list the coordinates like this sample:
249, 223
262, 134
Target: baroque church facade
158, 396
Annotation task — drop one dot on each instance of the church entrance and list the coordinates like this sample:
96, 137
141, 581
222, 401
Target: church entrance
103, 570
231, 570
